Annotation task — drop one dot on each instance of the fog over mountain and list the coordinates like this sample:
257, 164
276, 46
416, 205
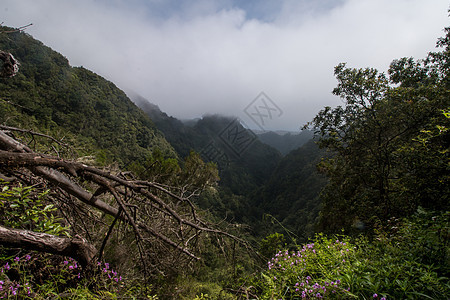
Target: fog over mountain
197, 57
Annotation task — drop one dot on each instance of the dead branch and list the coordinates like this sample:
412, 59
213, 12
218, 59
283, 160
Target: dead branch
76, 247
169, 225
9, 128
18, 29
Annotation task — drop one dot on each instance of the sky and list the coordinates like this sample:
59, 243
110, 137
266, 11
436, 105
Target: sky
268, 62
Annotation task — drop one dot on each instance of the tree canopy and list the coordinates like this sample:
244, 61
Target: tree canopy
389, 141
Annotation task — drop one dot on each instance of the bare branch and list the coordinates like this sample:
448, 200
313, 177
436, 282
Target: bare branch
76, 247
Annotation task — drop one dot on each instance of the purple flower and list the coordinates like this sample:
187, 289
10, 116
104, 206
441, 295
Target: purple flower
383, 298
16, 259
27, 257
375, 295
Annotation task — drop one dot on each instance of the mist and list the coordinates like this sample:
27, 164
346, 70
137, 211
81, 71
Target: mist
203, 57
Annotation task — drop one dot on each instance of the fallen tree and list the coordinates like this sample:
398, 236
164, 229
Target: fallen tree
157, 216
76, 247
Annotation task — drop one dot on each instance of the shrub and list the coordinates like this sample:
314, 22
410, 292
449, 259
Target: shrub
390, 267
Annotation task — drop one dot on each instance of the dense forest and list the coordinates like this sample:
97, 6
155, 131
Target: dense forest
102, 198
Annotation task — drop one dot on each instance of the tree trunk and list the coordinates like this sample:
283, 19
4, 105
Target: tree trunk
75, 247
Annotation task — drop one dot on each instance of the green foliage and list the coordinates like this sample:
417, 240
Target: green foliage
50, 95
338, 268
423, 238
291, 194
314, 271
23, 208
39, 276
389, 142
272, 244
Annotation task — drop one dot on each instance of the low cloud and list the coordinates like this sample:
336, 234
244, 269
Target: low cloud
216, 57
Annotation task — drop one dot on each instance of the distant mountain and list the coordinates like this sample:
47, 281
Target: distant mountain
49, 95
244, 162
285, 142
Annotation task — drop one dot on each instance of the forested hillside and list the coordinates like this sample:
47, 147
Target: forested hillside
50, 95
292, 193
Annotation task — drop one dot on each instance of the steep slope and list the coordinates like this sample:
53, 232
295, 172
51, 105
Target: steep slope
291, 194
50, 95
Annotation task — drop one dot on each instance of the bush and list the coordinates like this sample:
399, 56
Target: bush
397, 265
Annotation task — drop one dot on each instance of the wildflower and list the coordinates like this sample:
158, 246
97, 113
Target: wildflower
375, 295
16, 259
66, 262
383, 298
28, 257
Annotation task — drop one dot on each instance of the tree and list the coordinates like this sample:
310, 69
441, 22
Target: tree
378, 169
153, 230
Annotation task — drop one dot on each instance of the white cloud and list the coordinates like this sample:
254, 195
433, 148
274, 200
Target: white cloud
205, 57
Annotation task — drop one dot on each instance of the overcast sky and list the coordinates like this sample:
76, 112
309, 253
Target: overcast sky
197, 57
